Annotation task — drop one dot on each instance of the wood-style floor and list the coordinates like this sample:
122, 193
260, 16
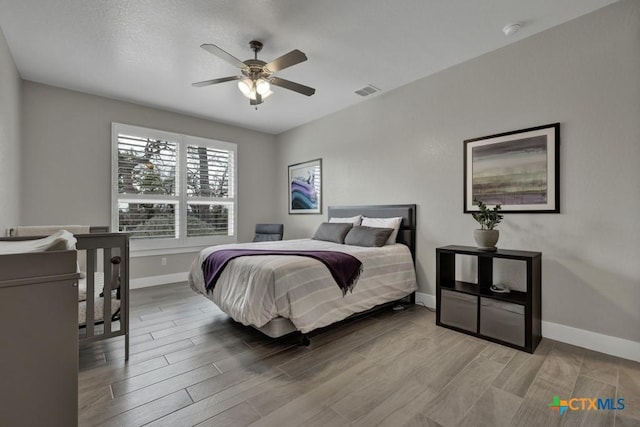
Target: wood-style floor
191, 365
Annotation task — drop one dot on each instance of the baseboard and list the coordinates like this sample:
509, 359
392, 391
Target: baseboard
145, 282
614, 346
426, 299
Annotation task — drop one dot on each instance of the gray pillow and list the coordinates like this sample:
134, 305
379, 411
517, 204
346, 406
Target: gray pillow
367, 236
332, 232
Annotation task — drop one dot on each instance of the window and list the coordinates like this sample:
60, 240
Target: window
170, 190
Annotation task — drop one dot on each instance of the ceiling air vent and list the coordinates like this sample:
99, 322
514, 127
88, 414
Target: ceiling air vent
367, 90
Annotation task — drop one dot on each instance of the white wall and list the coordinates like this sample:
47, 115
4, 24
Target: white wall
9, 138
67, 160
406, 146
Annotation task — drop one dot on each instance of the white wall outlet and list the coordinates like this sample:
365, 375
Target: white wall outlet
163, 261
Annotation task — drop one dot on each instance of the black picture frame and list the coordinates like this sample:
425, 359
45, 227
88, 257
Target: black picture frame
520, 170
305, 187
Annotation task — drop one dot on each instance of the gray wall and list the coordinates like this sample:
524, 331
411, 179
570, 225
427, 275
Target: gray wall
405, 146
9, 139
67, 159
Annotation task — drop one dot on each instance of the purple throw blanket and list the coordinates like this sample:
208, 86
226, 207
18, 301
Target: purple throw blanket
344, 268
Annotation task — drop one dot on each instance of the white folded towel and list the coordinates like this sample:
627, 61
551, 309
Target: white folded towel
58, 241
46, 230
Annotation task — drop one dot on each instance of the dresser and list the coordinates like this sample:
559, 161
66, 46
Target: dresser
39, 330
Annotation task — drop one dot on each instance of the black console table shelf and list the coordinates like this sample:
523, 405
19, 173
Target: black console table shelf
512, 319
515, 297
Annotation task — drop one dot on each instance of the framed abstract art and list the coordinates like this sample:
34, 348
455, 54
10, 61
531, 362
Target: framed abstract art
305, 187
519, 170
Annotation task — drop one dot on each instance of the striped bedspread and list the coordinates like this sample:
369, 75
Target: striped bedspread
253, 290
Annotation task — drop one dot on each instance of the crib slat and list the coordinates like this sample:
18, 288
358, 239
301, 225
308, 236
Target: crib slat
118, 244
90, 300
106, 317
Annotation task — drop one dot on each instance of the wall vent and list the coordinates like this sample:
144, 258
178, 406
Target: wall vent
367, 90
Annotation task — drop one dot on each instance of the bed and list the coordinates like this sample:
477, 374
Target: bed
280, 294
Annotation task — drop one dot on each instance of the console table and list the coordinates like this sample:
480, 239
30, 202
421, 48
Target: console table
511, 319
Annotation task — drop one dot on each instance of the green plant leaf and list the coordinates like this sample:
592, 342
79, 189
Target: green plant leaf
487, 218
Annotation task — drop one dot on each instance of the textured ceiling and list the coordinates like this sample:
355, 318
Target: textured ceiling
147, 51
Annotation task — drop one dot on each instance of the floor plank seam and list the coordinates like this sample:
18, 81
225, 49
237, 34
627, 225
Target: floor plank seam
260, 414
535, 377
147, 403
337, 411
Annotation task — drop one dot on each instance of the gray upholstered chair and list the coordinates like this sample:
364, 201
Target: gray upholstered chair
268, 232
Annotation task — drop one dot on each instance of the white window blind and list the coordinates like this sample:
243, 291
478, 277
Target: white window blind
172, 190
208, 189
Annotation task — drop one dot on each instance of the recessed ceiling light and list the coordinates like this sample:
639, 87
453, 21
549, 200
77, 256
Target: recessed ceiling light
511, 29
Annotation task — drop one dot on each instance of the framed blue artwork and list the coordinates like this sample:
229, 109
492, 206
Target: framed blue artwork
305, 187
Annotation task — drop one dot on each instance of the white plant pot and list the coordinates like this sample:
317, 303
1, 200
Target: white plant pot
486, 239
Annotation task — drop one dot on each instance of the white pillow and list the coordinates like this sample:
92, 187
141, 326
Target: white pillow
355, 220
384, 223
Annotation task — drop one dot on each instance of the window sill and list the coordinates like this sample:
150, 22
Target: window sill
137, 253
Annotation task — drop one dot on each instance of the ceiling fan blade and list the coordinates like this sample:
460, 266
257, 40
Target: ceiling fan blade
296, 87
214, 81
215, 50
287, 60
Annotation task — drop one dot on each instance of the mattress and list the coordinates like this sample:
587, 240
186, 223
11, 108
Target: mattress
98, 307
255, 290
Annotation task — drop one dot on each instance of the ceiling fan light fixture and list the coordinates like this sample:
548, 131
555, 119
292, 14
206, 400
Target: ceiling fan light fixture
263, 87
253, 95
266, 94
246, 87
250, 88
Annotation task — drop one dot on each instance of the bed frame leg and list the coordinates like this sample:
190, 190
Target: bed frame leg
305, 340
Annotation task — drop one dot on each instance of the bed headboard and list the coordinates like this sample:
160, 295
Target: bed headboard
407, 233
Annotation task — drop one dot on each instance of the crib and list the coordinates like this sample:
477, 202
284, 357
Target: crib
103, 285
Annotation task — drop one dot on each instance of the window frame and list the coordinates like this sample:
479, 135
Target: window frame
158, 246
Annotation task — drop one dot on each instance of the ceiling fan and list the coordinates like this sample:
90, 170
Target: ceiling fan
257, 76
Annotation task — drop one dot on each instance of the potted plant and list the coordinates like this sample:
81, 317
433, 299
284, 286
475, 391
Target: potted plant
486, 237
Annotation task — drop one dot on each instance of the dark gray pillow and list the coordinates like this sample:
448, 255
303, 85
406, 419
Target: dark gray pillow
367, 236
332, 232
